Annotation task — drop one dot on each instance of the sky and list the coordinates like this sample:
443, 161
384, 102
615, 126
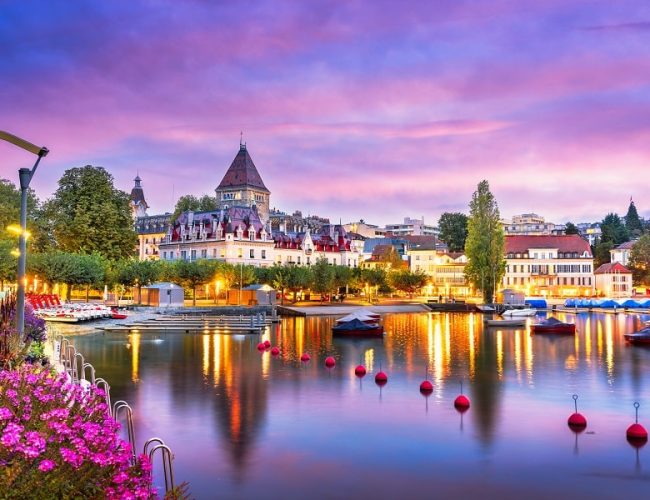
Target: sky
373, 110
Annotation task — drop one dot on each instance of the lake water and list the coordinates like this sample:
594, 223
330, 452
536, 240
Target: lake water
248, 425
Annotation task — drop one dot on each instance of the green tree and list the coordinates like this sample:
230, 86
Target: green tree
613, 230
640, 261
373, 279
453, 230
408, 281
8, 262
571, 228
323, 277
192, 203
633, 222
280, 280
134, 272
10, 211
342, 277
192, 274
485, 243
88, 215
299, 278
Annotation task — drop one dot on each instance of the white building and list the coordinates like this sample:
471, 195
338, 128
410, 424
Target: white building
411, 227
621, 253
613, 280
446, 271
549, 265
530, 224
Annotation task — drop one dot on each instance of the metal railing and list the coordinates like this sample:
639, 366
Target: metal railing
76, 368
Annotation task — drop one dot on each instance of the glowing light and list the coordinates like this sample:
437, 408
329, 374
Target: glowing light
500, 354
206, 355
135, 356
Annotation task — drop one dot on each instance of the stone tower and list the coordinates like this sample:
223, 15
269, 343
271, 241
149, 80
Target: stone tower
138, 204
242, 186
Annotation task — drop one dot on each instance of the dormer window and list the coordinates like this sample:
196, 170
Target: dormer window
251, 235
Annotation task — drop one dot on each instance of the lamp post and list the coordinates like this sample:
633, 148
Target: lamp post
25, 175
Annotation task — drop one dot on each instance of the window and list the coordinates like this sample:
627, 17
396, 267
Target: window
264, 254
223, 253
193, 255
214, 253
251, 235
184, 254
240, 252
298, 259
204, 253
164, 255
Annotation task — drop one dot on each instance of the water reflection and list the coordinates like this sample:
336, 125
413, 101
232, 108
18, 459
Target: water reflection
215, 396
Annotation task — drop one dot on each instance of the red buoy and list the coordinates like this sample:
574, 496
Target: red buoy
330, 361
275, 351
636, 433
577, 422
462, 403
305, 357
267, 343
261, 346
360, 371
381, 378
426, 387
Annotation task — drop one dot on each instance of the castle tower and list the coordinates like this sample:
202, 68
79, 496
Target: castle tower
138, 204
242, 186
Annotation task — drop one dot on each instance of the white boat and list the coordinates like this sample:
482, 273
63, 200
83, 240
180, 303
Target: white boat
505, 323
519, 312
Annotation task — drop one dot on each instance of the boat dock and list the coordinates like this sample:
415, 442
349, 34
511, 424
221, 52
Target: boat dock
197, 324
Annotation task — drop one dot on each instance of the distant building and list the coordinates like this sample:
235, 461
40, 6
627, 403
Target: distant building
547, 265
530, 224
590, 231
138, 204
151, 229
621, 253
613, 280
446, 271
411, 227
364, 229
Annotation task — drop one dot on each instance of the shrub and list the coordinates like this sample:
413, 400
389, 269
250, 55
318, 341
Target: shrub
60, 441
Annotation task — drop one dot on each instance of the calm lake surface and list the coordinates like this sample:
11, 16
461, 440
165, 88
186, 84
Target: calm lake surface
249, 425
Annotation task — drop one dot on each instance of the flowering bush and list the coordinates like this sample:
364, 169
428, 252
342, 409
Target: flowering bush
59, 441
13, 349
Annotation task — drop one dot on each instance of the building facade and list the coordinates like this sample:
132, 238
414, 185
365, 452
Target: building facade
530, 224
621, 254
559, 266
613, 280
446, 272
411, 227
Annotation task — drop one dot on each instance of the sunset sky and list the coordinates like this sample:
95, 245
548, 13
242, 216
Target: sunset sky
358, 109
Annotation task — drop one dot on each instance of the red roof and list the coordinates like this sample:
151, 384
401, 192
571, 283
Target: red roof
242, 172
565, 243
626, 246
612, 268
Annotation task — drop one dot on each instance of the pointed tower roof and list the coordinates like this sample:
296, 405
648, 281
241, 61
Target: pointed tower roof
242, 172
137, 193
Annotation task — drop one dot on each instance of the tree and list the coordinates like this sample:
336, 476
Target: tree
373, 278
194, 273
633, 222
299, 278
571, 228
453, 230
613, 230
640, 261
10, 211
601, 253
485, 243
90, 216
190, 202
280, 279
342, 277
323, 277
408, 281
134, 272
8, 262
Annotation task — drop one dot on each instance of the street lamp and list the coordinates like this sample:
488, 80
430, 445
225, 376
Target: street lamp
25, 175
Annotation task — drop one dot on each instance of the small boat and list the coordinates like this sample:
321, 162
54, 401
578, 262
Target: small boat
642, 337
519, 312
358, 328
484, 308
116, 314
505, 323
552, 325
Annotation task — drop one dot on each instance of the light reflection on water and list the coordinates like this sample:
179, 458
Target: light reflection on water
248, 425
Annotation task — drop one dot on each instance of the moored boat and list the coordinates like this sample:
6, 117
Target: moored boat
641, 337
505, 323
519, 312
358, 328
553, 325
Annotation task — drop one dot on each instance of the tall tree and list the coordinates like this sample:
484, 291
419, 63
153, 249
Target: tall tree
134, 272
485, 242
640, 261
453, 230
323, 276
193, 203
299, 278
90, 216
571, 228
408, 281
194, 273
8, 262
613, 230
10, 211
632, 221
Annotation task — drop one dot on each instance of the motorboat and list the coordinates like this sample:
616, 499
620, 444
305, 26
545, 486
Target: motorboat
505, 323
641, 337
358, 328
553, 325
519, 312
362, 315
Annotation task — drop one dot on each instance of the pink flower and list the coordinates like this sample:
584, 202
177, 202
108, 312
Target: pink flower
46, 466
5, 413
